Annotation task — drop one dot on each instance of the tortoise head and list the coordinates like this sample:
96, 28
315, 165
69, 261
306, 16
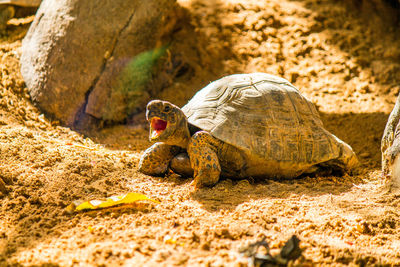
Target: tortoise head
168, 123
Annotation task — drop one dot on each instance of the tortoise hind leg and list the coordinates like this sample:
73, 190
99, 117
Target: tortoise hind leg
204, 159
331, 167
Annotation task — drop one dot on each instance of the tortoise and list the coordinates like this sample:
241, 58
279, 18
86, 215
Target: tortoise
16, 8
390, 145
242, 125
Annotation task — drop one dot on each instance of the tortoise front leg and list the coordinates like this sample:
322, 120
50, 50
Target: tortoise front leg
204, 159
155, 160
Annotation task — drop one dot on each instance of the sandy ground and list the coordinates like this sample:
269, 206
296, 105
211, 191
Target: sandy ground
344, 58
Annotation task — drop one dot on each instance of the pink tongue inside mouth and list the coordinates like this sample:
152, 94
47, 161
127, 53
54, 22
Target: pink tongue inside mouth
159, 125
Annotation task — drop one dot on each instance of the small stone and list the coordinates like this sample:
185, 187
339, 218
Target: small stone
205, 245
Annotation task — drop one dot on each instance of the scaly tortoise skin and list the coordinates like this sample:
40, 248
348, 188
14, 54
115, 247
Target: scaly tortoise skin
242, 125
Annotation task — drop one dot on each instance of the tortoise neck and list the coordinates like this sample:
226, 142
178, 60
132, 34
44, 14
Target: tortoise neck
181, 135
183, 141
184, 136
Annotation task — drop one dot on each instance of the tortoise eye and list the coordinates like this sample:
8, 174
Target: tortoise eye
167, 108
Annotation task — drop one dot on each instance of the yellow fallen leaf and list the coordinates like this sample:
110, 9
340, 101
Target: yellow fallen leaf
112, 201
170, 240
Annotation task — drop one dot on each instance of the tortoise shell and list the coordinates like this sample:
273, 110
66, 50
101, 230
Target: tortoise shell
265, 116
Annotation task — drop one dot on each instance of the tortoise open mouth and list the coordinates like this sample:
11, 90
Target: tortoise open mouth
157, 126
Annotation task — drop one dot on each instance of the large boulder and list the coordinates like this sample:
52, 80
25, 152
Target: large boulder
95, 59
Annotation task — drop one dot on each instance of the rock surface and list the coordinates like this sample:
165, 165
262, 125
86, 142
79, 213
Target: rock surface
82, 60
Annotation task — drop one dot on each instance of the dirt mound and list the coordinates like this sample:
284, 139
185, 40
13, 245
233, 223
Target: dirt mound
345, 65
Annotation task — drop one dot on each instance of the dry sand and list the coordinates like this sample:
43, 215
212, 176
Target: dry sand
344, 58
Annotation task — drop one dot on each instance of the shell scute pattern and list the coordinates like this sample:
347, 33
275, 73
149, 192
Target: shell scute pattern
264, 116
